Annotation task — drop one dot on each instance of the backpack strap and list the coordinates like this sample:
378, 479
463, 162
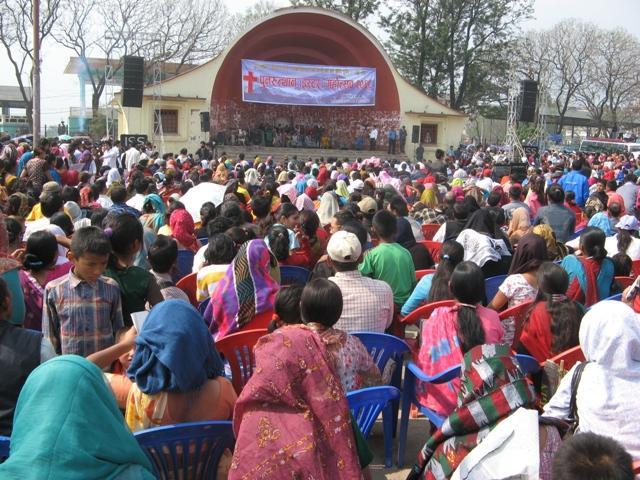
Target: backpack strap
573, 405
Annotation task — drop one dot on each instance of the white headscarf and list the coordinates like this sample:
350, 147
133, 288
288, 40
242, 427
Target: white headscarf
251, 177
478, 248
304, 202
328, 208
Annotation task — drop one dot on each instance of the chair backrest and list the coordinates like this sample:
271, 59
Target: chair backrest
433, 247
636, 467
425, 311
624, 282
422, 273
237, 348
367, 403
204, 241
290, 275
189, 285
519, 313
491, 286
382, 347
185, 262
187, 450
635, 268
569, 357
617, 296
527, 363
4, 448
429, 230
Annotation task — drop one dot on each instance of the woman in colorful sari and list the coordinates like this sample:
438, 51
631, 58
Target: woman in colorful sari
247, 290
176, 370
592, 273
67, 425
154, 212
493, 390
292, 418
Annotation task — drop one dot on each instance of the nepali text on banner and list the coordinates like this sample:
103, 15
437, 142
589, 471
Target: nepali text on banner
301, 84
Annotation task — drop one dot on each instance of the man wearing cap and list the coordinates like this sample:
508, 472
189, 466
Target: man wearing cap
368, 207
367, 303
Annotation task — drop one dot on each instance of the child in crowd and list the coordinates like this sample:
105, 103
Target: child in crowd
286, 307
279, 244
162, 257
219, 254
82, 310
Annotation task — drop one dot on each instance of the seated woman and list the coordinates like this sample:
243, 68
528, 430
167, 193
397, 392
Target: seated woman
176, 370
183, 230
320, 308
282, 405
318, 237
246, 291
66, 418
286, 308
606, 395
591, 274
493, 390
404, 235
153, 212
554, 322
218, 256
626, 239
519, 225
279, 244
450, 332
434, 287
555, 249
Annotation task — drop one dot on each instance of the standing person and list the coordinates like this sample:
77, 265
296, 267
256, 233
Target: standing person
373, 138
420, 153
629, 192
403, 138
576, 182
560, 218
132, 158
392, 141
110, 154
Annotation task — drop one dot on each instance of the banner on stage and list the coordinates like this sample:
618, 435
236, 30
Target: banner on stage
314, 85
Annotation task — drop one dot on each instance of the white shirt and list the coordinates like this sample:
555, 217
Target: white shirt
110, 157
137, 202
611, 246
131, 158
374, 134
485, 184
198, 259
104, 201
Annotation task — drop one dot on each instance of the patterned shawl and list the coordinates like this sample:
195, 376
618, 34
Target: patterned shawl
493, 387
246, 290
292, 418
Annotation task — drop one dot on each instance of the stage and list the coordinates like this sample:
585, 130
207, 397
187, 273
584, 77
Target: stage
250, 151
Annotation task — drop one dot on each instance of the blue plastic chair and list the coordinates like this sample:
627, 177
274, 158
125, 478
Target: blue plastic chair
187, 450
202, 306
618, 297
185, 262
4, 448
491, 286
366, 405
290, 275
204, 241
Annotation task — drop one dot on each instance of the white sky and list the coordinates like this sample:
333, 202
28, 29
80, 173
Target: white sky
60, 91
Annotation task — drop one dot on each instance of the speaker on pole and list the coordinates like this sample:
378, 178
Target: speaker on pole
204, 121
133, 81
415, 134
528, 99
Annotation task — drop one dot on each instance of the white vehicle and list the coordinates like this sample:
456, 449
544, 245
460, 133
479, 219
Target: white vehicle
609, 145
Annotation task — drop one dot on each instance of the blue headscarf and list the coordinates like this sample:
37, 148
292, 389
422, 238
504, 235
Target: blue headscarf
174, 350
601, 220
158, 207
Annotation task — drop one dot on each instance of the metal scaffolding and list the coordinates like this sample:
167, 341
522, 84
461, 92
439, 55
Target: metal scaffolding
158, 132
511, 139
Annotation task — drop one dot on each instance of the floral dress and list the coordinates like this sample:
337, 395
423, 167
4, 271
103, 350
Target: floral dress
517, 290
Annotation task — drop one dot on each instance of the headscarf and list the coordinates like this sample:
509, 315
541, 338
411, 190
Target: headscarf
555, 249
429, 197
154, 221
478, 248
328, 208
174, 351
342, 190
304, 202
67, 425
601, 220
23, 209
492, 387
530, 254
404, 233
312, 193
183, 229
251, 177
289, 190
246, 290
85, 197
481, 221
520, 223
292, 418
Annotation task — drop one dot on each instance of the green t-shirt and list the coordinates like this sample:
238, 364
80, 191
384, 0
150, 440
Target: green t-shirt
134, 285
391, 263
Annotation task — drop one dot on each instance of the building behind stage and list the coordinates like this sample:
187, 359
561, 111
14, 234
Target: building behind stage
296, 35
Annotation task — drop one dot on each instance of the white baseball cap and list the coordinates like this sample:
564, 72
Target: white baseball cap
344, 247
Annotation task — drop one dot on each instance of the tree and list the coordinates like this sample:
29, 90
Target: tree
16, 35
358, 10
255, 12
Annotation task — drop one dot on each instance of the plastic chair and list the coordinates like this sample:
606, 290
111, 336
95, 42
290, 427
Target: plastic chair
4, 448
290, 275
618, 297
237, 348
425, 311
187, 450
189, 285
491, 286
636, 467
433, 247
185, 262
519, 313
635, 268
422, 273
204, 241
366, 405
202, 306
569, 357
429, 230
625, 282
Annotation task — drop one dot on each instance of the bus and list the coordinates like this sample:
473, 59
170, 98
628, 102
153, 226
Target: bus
609, 145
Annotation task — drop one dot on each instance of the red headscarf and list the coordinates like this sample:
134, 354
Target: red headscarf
183, 228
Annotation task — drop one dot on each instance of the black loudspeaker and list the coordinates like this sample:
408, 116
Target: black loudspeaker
528, 98
133, 81
415, 134
204, 121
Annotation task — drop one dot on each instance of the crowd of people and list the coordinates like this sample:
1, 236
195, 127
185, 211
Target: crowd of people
90, 238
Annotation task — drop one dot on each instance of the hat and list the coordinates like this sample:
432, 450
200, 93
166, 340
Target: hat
344, 247
73, 210
628, 222
51, 187
367, 205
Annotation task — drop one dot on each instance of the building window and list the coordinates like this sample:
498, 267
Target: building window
169, 120
429, 134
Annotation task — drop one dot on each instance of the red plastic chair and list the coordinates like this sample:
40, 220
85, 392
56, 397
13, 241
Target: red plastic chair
425, 311
422, 273
635, 268
625, 282
429, 230
237, 348
433, 247
569, 357
189, 285
520, 314
636, 467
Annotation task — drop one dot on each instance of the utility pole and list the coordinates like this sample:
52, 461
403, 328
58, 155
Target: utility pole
36, 71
